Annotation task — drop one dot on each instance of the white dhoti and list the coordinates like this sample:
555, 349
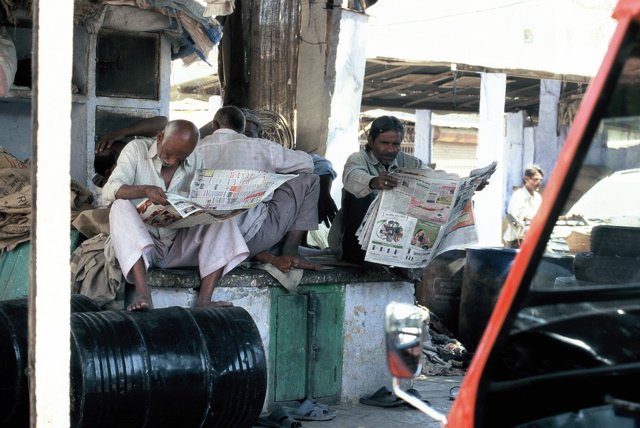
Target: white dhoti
210, 247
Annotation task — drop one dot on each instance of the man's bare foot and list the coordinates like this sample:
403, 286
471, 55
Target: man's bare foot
307, 264
282, 263
303, 262
287, 262
142, 303
217, 304
374, 268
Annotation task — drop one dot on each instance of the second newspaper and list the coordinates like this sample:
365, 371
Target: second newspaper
428, 213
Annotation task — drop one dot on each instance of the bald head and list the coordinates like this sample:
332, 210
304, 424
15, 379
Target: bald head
183, 130
229, 117
177, 142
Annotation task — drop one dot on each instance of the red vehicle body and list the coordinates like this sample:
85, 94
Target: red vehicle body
467, 410
568, 356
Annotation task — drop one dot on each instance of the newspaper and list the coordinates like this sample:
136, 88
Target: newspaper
430, 212
215, 195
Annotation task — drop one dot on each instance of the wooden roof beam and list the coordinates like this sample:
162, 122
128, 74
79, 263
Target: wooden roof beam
386, 72
435, 96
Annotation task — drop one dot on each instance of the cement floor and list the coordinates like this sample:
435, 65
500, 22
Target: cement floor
434, 388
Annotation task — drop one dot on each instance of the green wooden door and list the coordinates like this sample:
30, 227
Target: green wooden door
307, 333
289, 355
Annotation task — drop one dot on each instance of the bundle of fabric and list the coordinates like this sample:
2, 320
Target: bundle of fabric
184, 21
218, 7
11, 9
15, 201
95, 272
8, 62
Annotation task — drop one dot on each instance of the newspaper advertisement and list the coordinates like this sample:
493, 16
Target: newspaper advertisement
215, 195
428, 213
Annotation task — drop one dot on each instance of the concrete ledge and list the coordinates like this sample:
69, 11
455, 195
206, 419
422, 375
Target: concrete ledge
364, 367
250, 277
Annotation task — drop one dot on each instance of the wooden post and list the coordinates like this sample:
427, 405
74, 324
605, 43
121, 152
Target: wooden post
49, 305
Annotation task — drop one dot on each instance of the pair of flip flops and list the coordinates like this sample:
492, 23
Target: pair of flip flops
288, 417
385, 398
310, 410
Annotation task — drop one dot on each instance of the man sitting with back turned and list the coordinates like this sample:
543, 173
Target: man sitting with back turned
272, 229
322, 167
150, 168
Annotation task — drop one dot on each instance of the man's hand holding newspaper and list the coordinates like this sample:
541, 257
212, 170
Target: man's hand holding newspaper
215, 195
428, 213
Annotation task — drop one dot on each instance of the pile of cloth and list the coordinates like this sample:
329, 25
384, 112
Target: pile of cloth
189, 24
15, 201
444, 355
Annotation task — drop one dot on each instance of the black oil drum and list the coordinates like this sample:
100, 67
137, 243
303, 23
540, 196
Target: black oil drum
441, 287
484, 274
14, 345
173, 367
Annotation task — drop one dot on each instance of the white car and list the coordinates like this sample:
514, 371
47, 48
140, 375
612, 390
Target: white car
612, 201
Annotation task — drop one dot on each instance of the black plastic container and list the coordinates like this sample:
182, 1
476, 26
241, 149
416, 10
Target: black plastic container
170, 367
14, 345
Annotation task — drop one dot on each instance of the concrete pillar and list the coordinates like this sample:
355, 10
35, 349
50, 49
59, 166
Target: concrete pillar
488, 202
546, 136
313, 96
328, 106
49, 306
529, 146
514, 150
424, 136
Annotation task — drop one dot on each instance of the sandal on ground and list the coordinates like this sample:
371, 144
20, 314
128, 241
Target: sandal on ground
279, 419
382, 398
415, 393
314, 402
310, 410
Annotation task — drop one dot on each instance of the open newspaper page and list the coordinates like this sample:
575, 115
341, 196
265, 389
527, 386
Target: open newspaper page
461, 231
215, 195
429, 212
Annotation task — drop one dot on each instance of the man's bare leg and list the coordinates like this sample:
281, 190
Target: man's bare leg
290, 248
143, 301
207, 284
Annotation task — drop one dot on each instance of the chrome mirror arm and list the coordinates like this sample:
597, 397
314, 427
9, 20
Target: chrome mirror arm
419, 404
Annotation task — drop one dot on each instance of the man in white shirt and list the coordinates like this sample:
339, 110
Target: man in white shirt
151, 168
274, 228
523, 206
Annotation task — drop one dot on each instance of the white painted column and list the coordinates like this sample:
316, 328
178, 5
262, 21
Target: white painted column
423, 136
488, 202
49, 353
345, 82
215, 103
546, 138
514, 152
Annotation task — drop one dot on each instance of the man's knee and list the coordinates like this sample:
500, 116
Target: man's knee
311, 183
306, 180
118, 207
